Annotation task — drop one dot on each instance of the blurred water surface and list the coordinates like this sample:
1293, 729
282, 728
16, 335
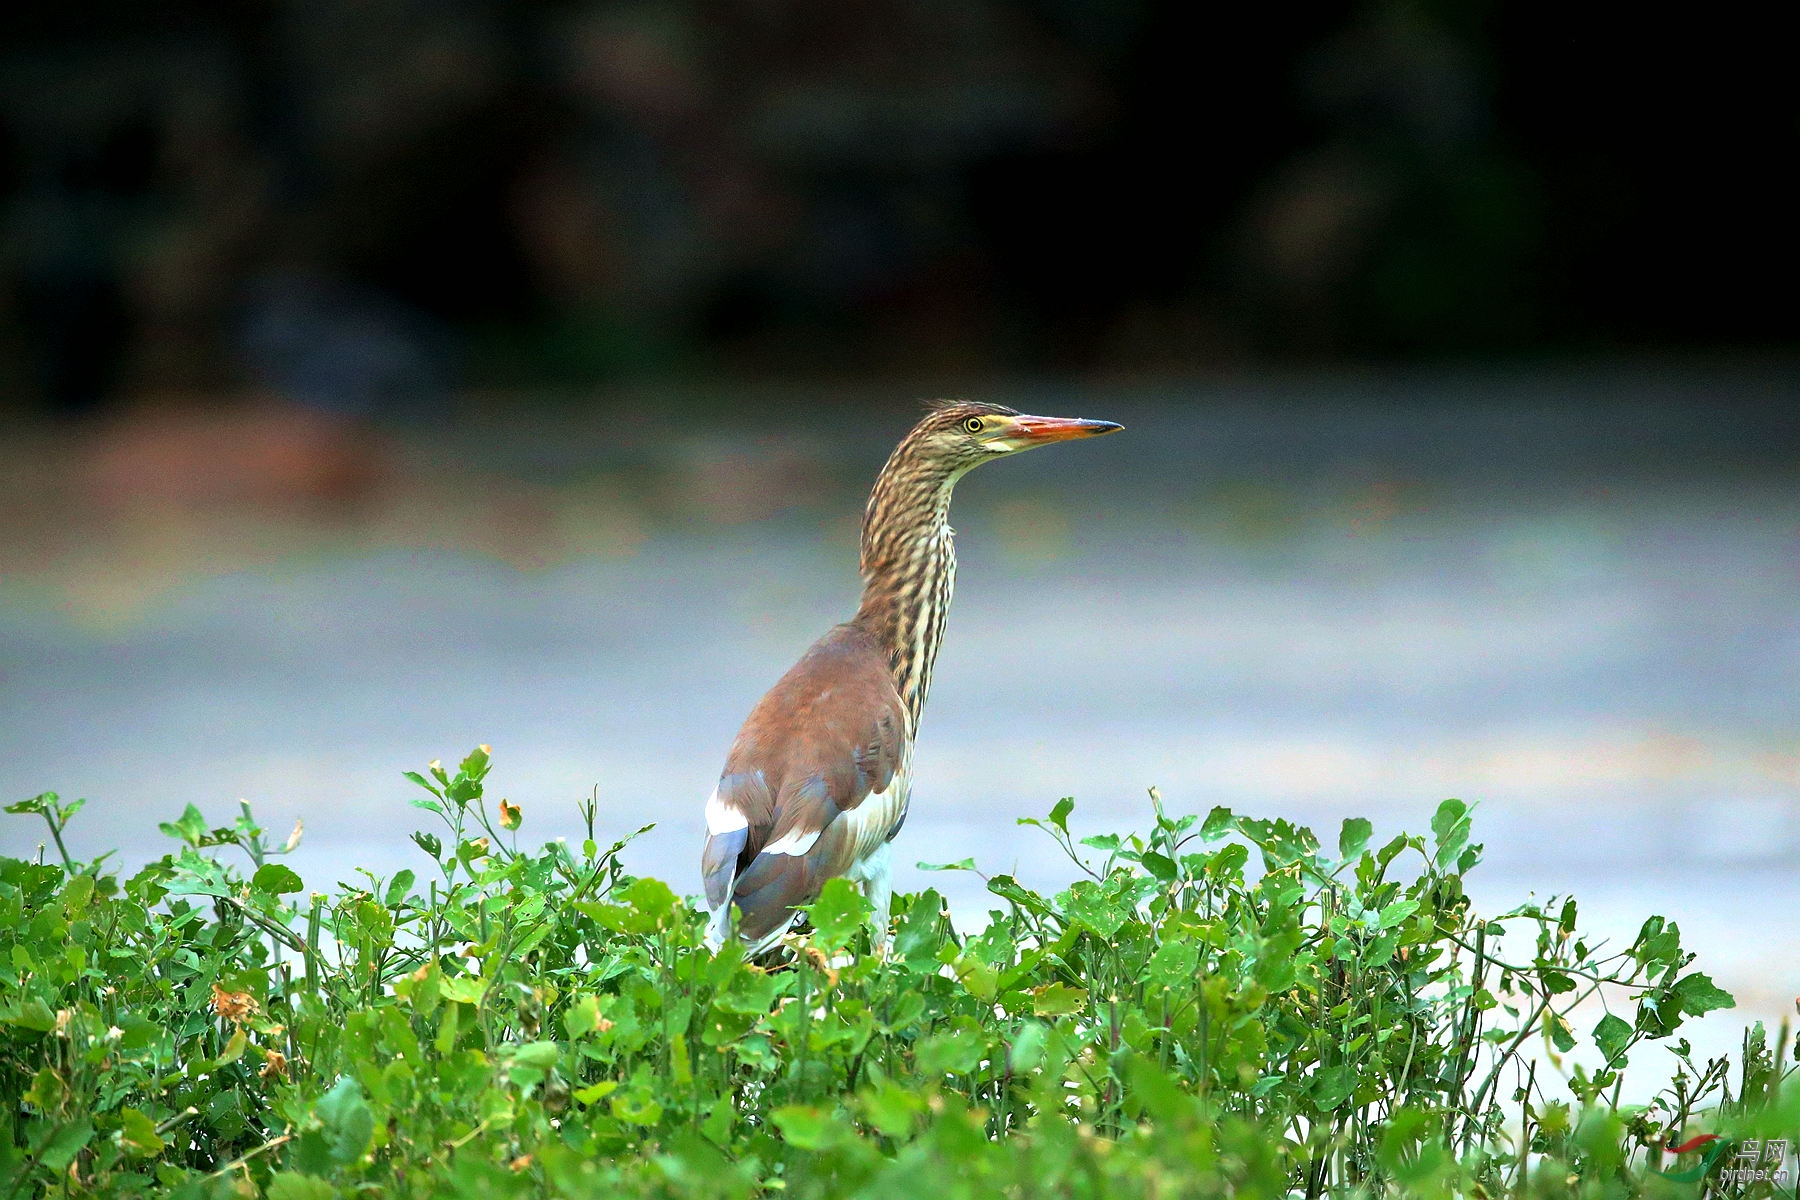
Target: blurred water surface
1570, 599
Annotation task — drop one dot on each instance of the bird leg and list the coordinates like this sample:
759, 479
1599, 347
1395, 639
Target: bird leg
876, 875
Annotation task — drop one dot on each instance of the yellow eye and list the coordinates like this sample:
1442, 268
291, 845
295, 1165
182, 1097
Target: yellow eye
973, 425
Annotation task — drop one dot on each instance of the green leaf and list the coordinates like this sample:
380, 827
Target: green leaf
1612, 1035
424, 783
1332, 1086
892, 1109
197, 876
190, 828
1450, 826
137, 1134
588, 1095
1225, 863
638, 1108
276, 879
1153, 1093
961, 864
347, 1120
69, 1140
31, 1013
41, 802
1281, 841
539, 1056
76, 895
291, 1185
917, 939
749, 992
1397, 912
1008, 888
837, 914
464, 989
1405, 1129
959, 1052
1159, 866
1057, 1000
806, 1127
1555, 982
695, 1155
1059, 815
47, 1091
234, 1050
653, 901
1174, 963
1698, 995
397, 888
476, 764
1657, 943
909, 1013
1354, 837
1027, 1049
978, 977
582, 1017
1218, 823
1100, 912
649, 906
374, 921
137, 1034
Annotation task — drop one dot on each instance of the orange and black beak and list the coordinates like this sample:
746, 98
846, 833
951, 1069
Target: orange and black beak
1041, 431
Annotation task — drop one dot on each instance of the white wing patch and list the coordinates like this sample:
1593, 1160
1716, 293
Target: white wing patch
795, 843
871, 821
721, 817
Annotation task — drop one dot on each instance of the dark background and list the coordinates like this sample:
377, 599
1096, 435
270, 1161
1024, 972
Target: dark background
364, 205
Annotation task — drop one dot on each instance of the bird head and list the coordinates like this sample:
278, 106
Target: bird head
967, 433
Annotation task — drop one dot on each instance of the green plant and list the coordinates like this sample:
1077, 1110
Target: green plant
540, 1022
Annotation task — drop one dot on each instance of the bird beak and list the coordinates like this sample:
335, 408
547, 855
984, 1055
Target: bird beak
1041, 431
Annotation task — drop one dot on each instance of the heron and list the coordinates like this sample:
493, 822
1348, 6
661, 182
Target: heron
818, 780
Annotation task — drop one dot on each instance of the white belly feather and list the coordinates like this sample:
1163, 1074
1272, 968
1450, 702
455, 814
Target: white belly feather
874, 819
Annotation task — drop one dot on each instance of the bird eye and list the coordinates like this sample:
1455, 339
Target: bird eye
973, 425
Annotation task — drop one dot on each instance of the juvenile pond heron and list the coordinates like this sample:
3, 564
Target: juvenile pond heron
817, 783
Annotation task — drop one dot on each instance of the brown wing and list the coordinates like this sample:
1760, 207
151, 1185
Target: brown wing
789, 810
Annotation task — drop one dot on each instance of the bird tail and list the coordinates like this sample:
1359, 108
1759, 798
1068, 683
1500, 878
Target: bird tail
720, 927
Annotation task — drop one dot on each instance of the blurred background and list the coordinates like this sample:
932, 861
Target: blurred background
385, 377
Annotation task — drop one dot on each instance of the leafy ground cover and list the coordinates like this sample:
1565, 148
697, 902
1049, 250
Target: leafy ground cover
509, 1021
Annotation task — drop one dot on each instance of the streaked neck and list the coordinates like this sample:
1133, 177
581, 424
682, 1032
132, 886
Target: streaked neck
909, 571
